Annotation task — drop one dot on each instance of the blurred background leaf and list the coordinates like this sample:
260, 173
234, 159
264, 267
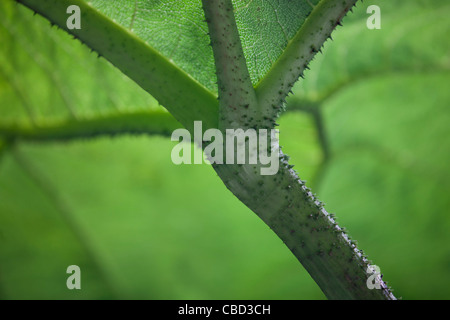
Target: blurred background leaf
141, 227
52, 86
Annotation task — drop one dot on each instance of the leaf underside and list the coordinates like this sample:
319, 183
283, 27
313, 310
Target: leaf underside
51, 109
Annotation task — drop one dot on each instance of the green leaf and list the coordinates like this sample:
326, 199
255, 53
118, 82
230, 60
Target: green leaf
110, 200
133, 61
138, 38
177, 29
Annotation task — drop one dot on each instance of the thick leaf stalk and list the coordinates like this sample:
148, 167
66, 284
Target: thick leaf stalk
289, 208
282, 200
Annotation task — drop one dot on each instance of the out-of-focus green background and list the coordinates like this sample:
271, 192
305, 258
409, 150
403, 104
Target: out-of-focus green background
141, 227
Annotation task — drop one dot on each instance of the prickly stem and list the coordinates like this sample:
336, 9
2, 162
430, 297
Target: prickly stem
282, 200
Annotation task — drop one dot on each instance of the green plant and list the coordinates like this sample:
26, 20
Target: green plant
256, 87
